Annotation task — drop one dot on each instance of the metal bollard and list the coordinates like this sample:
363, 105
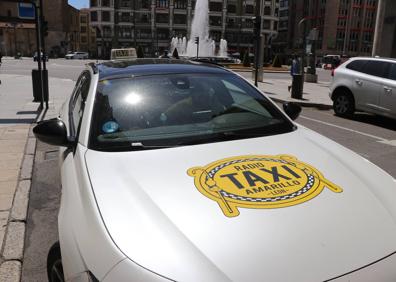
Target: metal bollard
297, 86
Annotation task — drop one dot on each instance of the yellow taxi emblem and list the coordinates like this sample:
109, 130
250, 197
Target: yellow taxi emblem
259, 182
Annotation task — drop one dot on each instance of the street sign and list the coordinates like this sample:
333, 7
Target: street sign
26, 11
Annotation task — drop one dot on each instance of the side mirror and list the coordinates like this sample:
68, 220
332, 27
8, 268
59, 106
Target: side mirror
53, 132
292, 110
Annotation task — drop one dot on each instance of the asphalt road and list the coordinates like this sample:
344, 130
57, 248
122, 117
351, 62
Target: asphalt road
371, 136
70, 69
59, 68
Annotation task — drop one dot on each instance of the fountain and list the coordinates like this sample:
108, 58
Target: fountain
200, 29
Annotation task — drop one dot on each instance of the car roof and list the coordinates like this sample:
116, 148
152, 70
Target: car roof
374, 58
140, 67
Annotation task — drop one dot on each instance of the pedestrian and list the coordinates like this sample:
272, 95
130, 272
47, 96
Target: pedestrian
294, 70
1, 56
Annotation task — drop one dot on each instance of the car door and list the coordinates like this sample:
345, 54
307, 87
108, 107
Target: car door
370, 83
351, 78
388, 94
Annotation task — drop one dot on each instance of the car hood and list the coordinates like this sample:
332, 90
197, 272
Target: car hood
164, 211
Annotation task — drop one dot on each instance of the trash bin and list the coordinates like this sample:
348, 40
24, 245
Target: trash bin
297, 86
37, 85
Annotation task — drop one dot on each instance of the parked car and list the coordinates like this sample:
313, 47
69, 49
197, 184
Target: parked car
77, 55
365, 84
177, 170
43, 57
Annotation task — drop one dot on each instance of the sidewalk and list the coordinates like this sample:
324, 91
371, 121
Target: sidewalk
17, 148
314, 94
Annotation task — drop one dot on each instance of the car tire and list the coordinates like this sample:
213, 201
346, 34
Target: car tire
54, 264
343, 103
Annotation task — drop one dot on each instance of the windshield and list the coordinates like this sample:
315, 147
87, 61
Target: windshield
169, 110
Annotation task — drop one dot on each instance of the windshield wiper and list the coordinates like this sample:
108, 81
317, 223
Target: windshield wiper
134, 146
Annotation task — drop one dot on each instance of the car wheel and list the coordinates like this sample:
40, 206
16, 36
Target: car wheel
54, 264
343, 104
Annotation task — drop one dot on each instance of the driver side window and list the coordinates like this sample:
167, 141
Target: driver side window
77, 103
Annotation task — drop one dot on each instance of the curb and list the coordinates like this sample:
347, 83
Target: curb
14, 237
303, 103
265, 71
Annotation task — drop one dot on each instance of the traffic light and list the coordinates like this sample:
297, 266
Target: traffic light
196, 40
44, 28
256, 25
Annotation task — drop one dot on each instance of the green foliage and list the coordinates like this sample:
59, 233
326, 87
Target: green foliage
246, 60
139, 52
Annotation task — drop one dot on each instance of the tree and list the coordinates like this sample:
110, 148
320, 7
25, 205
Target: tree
140, 53
246, 60
175, 54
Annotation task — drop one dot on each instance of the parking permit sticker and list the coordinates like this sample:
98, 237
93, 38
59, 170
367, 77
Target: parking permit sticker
110, 127
259, 182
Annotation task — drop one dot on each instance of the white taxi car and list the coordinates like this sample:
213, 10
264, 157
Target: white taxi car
183, 171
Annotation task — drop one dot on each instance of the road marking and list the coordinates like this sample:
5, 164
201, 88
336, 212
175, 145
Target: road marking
379, 139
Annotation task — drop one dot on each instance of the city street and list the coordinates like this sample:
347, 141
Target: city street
371, 136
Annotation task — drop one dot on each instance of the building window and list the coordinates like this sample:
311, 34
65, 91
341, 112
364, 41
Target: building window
93, 3
145, 4
284, 13
162, 3
179, 33
266, 24
180, 4
125, 3
83, 19
9, 14
83, 39
267, 10
231, 8
125, 17
107, 31
215, 6
105, 3
105, 16
162, 18
83, 29
143, 18
231, 23
125, 32
179, 19
247, 23
215, 21
94, 16
143, 33
249, 9
163, 34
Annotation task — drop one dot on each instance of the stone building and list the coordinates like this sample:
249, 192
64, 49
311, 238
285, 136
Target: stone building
19, 35
152, 23
386, 42
16, 34
344, 26
63, 27
87, 34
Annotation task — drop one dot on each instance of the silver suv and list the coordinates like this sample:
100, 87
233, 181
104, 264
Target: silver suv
365, 84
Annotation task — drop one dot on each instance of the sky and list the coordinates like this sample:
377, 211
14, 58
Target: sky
79, 3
